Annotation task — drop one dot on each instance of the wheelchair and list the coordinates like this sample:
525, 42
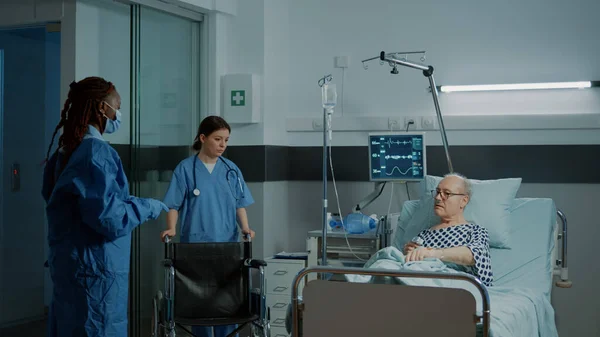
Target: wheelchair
209, 284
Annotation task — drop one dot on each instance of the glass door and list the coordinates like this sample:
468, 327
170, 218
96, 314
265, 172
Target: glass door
1, 181
167, 113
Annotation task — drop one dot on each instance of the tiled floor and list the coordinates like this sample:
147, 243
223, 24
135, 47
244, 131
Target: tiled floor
32, 329
38, 329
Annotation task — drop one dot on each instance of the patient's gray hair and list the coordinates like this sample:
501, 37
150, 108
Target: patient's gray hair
466, 182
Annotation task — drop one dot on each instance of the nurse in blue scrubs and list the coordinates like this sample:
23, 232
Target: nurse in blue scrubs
208, 195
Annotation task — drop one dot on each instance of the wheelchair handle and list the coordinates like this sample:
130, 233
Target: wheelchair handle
247, 236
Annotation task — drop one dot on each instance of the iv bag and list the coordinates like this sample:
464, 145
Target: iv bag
329, 96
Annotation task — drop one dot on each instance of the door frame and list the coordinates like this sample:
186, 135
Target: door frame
1, 181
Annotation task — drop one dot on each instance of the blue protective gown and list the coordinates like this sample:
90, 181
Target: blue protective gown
90, 219
210, 216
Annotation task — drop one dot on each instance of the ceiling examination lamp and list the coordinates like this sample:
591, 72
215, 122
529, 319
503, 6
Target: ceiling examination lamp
393, 61
519, 86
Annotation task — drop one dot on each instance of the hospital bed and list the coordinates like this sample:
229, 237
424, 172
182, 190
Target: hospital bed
518, 304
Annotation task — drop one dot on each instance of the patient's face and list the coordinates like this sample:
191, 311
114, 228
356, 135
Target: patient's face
450, 199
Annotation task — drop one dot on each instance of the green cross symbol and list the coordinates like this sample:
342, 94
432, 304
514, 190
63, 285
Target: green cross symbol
238, 97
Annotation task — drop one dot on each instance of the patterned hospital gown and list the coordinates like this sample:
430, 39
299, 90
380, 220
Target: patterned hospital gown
472, 236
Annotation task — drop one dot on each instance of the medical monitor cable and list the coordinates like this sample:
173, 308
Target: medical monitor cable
337, 199
406, 183
343, 87
392, 183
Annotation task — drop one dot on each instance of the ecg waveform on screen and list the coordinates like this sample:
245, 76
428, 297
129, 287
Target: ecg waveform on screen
393, 169
397, 157
389, 142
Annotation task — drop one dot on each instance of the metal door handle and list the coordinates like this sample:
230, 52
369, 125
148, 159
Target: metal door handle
280, 289
279, 305
280, 272
279, 321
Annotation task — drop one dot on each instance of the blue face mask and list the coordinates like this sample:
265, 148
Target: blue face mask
112, 125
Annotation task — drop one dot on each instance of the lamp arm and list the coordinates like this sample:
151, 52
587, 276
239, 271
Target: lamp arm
427, 72
406, 63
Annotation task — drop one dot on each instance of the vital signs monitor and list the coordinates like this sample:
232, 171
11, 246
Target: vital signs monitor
398, 156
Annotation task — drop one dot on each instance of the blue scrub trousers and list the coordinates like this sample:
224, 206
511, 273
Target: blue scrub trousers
220, 330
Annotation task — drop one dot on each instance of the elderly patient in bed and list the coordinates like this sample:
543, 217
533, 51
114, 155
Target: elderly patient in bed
454, 240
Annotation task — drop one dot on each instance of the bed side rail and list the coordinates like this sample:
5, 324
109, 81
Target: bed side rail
561, 269
297, 305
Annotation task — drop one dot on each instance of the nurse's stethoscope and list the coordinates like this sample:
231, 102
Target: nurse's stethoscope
196, 191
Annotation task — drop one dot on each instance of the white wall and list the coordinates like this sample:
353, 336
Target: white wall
467, 43
254, 40
293, 44
277, 70
245, 53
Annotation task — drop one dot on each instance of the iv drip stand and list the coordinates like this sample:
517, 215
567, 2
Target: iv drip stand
326, 128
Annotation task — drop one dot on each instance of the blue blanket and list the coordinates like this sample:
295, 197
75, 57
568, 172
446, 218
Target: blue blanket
514, 311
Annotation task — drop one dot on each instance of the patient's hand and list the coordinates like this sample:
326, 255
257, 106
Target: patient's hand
420, 254
410, 246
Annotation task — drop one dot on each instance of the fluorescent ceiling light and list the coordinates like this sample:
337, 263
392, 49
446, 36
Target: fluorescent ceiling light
519, 86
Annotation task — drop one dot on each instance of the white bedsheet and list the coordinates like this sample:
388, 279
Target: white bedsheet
514, 311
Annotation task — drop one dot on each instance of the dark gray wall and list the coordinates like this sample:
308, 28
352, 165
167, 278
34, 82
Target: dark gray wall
569, 164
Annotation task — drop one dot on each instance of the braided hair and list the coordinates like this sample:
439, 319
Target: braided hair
80, 110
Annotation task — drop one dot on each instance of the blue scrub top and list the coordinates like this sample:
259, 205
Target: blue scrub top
210, 216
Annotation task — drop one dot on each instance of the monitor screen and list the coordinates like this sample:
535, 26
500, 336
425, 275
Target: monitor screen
397, 156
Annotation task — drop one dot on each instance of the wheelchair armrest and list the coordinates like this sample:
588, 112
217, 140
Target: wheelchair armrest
167, 263
256, 263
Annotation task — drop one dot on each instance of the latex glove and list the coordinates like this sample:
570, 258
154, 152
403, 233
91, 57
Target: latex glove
156, 207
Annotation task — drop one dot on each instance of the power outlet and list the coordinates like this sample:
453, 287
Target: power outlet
394, 124
317, 125
410, 123
428, 123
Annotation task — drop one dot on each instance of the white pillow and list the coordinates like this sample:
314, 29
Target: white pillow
489, 206
407, 227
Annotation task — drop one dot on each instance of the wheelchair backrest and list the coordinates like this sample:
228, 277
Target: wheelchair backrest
210, 279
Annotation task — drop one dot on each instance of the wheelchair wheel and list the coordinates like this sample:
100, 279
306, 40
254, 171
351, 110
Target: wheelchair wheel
157, 314
259, 331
